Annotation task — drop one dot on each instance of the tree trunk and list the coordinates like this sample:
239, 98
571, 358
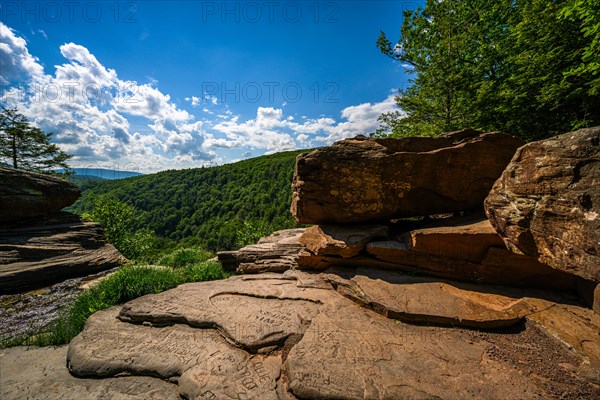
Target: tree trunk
14, 151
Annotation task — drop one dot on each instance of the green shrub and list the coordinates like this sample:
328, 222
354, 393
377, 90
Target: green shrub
120, 221
185, 256
207, 271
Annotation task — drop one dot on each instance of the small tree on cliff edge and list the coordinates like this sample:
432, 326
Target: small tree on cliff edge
25, 146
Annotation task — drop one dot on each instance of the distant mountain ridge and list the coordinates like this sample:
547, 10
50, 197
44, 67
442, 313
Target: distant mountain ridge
103, 173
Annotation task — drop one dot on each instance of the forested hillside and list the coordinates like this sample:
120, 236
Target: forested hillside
214, 207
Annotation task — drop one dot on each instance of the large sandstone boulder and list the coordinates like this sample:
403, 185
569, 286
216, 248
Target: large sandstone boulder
370, 180
57, 248
546, 204
28, 195
294, 336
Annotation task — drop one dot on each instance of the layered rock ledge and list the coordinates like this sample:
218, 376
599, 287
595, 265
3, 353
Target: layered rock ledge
54, 249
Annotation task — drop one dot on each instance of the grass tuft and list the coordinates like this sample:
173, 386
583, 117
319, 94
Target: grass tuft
185, 256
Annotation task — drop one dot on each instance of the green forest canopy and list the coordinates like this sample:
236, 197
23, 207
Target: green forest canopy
530, 68
207, 206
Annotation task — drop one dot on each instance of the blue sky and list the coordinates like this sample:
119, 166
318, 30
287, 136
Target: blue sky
153, 85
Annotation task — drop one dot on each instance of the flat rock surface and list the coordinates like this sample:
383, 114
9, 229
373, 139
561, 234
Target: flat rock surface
301, 339
350, 353
54, 249
434, 301
577, 327
41, 374
546, 204
200, 360
464, 238
369, 180
254, 313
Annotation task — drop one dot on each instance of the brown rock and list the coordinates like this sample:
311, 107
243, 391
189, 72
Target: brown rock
435, 301
547, 204
340, 240
499, 266
60, 247
368, 180
463, 238
596, 299
40, 373
28, 195
275, 253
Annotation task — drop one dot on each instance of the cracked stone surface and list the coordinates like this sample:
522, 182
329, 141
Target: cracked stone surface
351, 353
297, 336
255, 313
576, 327
201, 360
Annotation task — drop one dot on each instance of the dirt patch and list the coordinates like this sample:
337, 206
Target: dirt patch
30, 312
554, 368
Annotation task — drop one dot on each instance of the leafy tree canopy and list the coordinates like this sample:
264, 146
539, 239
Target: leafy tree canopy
25, 146
527, 67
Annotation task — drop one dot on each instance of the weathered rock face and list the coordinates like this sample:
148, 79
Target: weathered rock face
370, 180
57, 248
275, 253
341, 240
27, 195
465, 248
547, 202
296, 335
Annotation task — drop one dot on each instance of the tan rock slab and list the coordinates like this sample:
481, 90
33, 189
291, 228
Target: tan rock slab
277, 252
468, 239
254, 313
28, 195
202, 361
499, 266
344, 351
435, 301
340, 240
40, 373
52, 250
351, 353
